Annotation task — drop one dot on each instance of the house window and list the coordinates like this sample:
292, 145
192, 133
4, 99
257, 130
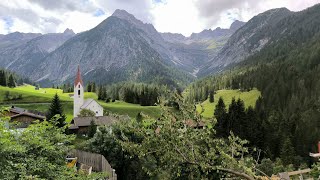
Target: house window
79, 86
79, 92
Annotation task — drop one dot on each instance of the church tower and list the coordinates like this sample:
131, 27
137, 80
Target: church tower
78, 94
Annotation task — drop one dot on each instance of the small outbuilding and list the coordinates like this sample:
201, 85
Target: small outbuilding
22, 117
80, 125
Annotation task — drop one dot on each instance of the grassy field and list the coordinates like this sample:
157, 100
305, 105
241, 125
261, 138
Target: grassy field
249, 99
40, 100
29, 94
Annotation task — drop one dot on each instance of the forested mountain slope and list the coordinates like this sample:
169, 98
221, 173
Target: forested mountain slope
287, 72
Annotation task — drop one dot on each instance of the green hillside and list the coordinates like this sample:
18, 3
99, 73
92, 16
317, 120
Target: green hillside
249, 99
40, 100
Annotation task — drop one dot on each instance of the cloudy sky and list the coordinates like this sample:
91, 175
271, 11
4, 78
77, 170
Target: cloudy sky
178, 16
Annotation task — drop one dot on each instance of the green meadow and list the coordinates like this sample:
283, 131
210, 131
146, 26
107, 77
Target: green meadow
249, 99
39, 100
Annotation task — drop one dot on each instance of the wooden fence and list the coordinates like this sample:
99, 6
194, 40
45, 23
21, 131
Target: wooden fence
97, 161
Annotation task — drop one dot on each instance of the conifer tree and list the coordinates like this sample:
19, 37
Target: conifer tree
220, 114
11, 82
92, 129
56, 109
89, 87
240, 120
102, 93
93, 88
211, 97
287, 152
3, 78
252, 128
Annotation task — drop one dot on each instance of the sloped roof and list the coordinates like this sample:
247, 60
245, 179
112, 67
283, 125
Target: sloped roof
87, 102
23, 112
17, 110
78, 77
39, 117
98, 120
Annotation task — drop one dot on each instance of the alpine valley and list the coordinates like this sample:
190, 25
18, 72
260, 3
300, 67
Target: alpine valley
125, 49
236, 103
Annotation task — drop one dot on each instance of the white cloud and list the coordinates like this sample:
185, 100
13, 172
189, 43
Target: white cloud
214, 11
178, 16
139, 8
79, 21
3, 27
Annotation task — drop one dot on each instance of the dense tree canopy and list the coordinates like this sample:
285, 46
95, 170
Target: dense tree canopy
169, 148
37, 152
137, 93
86, 113
11, 79
288, 78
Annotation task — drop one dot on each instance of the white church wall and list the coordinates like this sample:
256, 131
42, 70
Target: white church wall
78, 99
96, 108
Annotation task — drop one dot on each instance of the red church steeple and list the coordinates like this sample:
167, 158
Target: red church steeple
78, 77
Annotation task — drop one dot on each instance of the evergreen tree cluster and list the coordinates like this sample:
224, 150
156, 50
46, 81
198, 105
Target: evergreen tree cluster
102, 93
242, 122
136, 93
196, 93
11, 80
91, 87
66, 88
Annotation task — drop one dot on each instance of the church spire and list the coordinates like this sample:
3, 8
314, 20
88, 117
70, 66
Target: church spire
78, 77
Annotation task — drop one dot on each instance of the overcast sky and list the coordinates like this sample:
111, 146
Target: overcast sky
177, 16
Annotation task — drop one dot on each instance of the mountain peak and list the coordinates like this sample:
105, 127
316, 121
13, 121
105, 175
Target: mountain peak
68, 31
123, 14
120, 12
236, 25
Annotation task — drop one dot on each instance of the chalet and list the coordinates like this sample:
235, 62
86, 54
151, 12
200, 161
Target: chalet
23, 117
80, 125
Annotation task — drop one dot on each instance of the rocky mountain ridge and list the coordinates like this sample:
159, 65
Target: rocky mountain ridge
248, 40
118, 43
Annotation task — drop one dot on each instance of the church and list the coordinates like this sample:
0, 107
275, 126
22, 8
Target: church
78, 99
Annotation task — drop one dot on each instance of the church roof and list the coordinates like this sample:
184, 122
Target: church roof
87, 103
78, 78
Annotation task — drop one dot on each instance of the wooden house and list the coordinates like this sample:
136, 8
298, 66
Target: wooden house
23, 117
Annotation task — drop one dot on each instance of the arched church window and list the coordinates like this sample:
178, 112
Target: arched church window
79, 92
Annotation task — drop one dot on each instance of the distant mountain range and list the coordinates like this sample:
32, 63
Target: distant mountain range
23, 52
123, 48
